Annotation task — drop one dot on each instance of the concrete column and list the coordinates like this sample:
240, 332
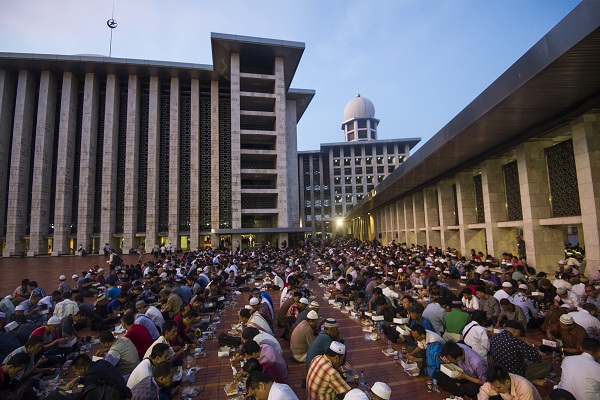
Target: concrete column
544, 244
236, 183
132, 152
393, 223
42, 166
465, 195
281, 145
449, 238
87, 168
291, 172
195, 166
400, 221
499, 240
215, 160
419, 216
22, 143
65, 163
153, 163
586, 147
431, 215
409, 220
108, 217
174, 189
7, 98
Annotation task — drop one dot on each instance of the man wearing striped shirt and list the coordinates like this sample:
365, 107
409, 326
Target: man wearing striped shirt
323, 381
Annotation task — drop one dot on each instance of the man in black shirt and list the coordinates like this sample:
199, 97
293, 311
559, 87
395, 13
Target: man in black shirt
89, 373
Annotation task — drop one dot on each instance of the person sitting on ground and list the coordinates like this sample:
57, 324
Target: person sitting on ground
474, 369
159, 353
169, 333
273, 363
435, 312
323, 380
587, 318
11, 369
66, 307
33, 348
172, 303
510, 351
91, 373
470, 302
303, 336
248, 318
157, 386
119, 352
261, 387
251, 333
475, 335
488, 304
581, 374
50, 334
501, 384
419, 339
568, 297
455, 321
151, 312
569, 332
511, 312
137, 333
323, 340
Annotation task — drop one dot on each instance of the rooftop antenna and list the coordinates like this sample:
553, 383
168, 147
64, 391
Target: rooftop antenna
112, 24
357, 92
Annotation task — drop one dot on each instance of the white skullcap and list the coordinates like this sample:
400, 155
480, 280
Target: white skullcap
254, 301
340, 348
304, 300
507, 284
312, 315
382, 390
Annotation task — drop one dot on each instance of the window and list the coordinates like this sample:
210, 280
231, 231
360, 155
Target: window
337, 180
346, 151
358, 161
380, 169
391, 168
337, 171
350, 126
348, 180
338, 199
379, 160
369, 161
369, 178
362, 123
380, 178
348, 198
349, 189
359, 197
391, 159
368, 150
347, 162
336, 162
350, 136
359, 180
358, 170
369, 170
359, 189
337, 190
347, 171
362, 134
370, 187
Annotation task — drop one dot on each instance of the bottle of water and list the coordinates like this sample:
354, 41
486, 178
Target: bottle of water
390, 349
434, 386
240, 391
192, 375
363, 383
366, 388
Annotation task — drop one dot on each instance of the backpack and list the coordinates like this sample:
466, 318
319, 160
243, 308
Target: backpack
432, 358
116, 261
229, 341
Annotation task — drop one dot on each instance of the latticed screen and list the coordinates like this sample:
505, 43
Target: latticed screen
143, 160
99, 161
514, 211
479, 199
77, 163
54, 161
163, 169
562, 175
224, 162
121, 161
184, 163
205, 163
258, 202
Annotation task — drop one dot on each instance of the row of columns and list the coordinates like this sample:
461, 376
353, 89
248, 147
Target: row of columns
428, 216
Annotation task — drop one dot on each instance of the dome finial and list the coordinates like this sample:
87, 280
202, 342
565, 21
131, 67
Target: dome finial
357, 92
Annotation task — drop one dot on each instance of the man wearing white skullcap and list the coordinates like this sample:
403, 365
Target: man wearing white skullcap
303, 335
323, 380
378, 391
569, 332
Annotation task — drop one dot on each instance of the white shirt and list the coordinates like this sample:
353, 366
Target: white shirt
579, 289
477, 338
471, 303
588, 322
156, 316
558, 283
581, 377
161, 339
430, 337
66, 307
265, 338
281, 391
389, 293
572, 299
140, 372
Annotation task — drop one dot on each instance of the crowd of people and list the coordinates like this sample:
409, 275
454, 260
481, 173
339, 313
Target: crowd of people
438, 307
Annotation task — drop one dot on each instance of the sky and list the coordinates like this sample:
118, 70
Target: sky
419, 61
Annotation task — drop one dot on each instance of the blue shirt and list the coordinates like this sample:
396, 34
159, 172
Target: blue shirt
267, 296
425, 323
113, 305
113, 293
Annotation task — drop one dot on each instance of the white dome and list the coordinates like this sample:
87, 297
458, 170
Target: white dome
359, 107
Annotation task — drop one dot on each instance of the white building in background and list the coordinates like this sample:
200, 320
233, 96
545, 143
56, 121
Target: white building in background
336, 177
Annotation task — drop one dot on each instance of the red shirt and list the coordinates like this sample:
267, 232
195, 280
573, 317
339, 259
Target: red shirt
141, 338
48, 337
